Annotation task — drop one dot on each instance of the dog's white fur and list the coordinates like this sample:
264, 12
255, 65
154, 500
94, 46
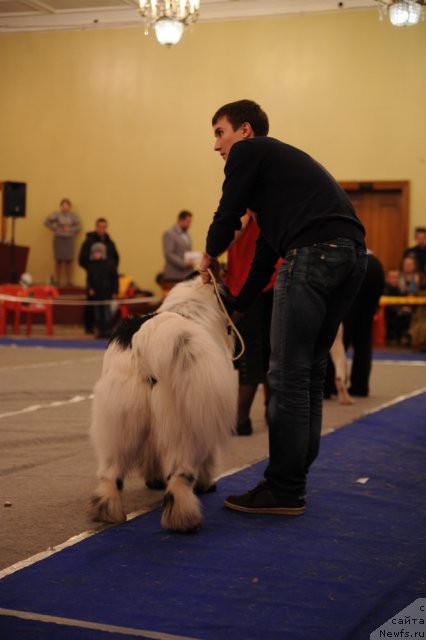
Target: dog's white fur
166, 404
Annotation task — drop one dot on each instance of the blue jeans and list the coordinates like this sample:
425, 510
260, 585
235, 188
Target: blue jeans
314, 290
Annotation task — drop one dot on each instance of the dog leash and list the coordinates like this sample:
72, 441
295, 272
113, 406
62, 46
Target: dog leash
228, 317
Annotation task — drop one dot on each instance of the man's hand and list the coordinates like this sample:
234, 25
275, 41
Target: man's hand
207, 262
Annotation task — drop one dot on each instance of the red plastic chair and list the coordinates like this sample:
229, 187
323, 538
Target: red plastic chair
9, 305
30, 309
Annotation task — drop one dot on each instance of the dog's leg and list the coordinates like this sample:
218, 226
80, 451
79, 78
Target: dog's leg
105, 505
153, 472
205, 482
338, 356
118, 430
181, 507
342, 392
150, 467
115, 460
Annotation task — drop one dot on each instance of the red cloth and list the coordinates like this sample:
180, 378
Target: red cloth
240, 256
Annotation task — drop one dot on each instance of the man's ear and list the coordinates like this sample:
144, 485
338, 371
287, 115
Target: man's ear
246, 130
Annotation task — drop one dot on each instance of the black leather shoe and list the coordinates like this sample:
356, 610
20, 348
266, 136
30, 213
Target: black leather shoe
261, 500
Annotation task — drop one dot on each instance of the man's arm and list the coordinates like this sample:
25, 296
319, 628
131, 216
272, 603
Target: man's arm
240, 171
237, 192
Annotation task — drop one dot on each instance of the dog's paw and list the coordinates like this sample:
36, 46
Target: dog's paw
100, 509
181, 514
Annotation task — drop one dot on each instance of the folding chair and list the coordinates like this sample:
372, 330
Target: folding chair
9, 305
30, 309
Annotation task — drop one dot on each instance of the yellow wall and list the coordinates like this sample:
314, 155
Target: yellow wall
121, 125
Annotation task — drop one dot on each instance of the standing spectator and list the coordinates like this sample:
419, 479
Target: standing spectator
98, 235
65, 225
419, 250
102, 284
358, 326
176, 243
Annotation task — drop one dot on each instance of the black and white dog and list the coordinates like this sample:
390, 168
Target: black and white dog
166, 401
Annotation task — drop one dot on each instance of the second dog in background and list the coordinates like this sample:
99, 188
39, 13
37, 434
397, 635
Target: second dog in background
338, 357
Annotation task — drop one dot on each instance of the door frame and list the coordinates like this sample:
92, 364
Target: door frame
403, 186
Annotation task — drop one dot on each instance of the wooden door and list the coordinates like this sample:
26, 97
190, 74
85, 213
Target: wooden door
382, 208
3, 226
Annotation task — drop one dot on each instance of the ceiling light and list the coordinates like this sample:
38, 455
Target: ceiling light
169, 17
402, 13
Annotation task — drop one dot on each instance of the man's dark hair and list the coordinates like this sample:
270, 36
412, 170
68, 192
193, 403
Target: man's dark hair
419, 230
101, 220
184, 214
244, 111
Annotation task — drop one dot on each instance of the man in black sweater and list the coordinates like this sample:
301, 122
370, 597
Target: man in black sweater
305, 217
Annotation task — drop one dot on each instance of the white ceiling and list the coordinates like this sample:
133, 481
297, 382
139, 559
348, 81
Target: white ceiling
45, 15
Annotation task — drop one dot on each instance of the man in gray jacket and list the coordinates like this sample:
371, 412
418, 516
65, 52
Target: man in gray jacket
176, 242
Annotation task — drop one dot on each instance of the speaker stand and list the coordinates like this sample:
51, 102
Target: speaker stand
13, 272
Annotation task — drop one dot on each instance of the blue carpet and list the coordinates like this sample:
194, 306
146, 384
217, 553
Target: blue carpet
396, 356
356, 558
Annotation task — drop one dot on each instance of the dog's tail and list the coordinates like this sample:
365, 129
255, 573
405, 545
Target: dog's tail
181, 507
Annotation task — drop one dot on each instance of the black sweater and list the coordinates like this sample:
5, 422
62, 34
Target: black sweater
297, 202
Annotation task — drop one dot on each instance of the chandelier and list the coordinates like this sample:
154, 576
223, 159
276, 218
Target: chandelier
404, 13
168, 17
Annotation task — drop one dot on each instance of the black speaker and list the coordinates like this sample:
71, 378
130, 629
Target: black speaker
14, 197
